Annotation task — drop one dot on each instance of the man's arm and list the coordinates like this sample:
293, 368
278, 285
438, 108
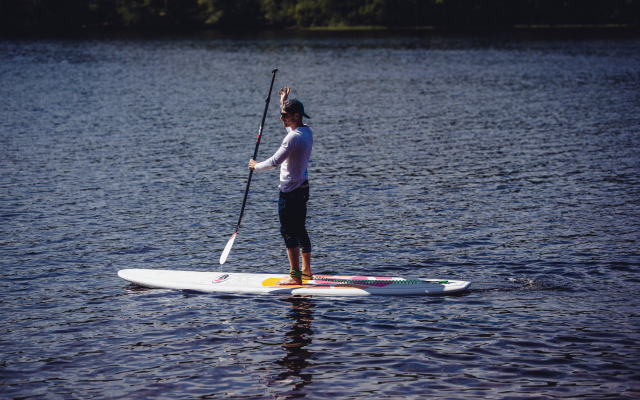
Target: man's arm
284, 94
288, 145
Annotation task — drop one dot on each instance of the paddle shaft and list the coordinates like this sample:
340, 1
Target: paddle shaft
255, 152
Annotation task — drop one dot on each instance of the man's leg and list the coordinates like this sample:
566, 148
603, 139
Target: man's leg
294, 263
306, 265
292, 210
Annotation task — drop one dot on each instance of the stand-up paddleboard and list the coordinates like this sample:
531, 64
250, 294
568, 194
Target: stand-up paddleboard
320, 285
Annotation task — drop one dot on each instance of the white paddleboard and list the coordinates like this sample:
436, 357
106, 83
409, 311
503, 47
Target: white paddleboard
322, 285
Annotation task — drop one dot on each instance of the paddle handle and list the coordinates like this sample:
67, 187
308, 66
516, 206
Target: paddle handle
255, 152
264, 115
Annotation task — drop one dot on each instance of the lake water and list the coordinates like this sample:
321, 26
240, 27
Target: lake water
512, 161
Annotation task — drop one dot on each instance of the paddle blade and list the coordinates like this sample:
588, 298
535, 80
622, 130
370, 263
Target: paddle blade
227, 249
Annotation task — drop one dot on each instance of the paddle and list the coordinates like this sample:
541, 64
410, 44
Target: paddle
227, 249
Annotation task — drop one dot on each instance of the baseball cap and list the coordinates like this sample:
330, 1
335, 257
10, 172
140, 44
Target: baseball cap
294, 106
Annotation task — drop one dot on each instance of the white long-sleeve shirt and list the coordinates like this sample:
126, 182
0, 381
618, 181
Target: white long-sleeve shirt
292, 157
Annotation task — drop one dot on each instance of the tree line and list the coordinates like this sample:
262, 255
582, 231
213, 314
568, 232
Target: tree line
276, 14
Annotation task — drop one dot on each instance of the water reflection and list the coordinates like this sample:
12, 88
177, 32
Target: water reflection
295, 343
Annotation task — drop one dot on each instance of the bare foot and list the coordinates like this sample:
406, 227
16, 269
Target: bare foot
290, 281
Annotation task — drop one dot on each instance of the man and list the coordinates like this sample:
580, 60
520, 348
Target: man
292, 157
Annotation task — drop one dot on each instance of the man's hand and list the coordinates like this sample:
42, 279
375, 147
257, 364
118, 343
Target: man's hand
284, 93
252, 164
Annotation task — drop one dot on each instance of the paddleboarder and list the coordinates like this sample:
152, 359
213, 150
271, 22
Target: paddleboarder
292, 157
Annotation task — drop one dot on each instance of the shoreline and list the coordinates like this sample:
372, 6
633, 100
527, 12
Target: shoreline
625, 30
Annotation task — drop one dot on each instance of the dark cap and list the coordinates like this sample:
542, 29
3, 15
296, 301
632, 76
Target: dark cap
294, 106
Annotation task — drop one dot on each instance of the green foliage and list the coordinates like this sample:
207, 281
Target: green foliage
156, 13
230, 14
258, 14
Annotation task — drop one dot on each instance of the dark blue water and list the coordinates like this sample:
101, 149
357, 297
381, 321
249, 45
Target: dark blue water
509, 161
